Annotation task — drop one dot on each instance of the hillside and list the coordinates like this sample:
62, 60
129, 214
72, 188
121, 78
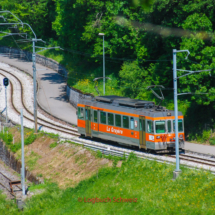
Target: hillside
138, 187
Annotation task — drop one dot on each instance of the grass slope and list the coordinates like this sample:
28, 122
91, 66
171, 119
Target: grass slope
147, 181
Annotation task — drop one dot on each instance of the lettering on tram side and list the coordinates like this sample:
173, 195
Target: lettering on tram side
113, 130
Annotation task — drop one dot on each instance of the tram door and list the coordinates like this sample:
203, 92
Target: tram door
142, 131
88, 121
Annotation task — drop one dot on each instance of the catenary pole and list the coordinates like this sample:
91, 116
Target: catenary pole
35, 86
177, 170
23, 156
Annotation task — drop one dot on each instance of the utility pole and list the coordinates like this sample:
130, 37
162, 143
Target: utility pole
23, 156
177, 171
33, 57
102, 34
35, 86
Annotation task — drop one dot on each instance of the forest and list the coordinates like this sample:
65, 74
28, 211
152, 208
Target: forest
139, 42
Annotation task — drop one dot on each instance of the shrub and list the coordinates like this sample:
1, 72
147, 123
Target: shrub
206, 135
212, 141
30, 139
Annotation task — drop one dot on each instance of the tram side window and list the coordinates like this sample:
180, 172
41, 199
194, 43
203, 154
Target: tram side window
95, 116
118, 120
80, 113
160, 127
169, 126
110, 119
180, 125
125, 122
132, 123
150, 128
103, 117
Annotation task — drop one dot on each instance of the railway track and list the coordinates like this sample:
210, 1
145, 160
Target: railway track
105, 148
41, 121
196, 159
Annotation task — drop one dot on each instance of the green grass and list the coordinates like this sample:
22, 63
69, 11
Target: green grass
7, 206
53, 145
147, 181
29, 138
31, 160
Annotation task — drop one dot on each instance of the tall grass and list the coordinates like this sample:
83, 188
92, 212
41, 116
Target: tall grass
7, 206
147, 181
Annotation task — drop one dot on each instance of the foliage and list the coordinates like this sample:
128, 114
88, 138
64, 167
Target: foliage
8, 206
212, 141
30, 139
51, 135
31, 160
139, 39
53, 145
39, 14
99, 154
148, 181
6, 137
115, 159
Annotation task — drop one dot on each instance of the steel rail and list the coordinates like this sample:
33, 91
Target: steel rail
199, 158
66, 130
22, 91
194, 161
107, 150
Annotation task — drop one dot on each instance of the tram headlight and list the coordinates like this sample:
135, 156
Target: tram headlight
158, 137
181, 135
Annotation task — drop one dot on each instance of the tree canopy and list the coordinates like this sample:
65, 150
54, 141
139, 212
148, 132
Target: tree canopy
139, 39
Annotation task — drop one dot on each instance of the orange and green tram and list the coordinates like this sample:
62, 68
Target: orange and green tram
130, 122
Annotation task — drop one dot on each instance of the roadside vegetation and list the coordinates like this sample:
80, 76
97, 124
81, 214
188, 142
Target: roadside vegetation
12, 137
147, 182
73, 175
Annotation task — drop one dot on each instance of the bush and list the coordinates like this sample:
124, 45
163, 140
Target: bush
212, 141
206, 135
30, 139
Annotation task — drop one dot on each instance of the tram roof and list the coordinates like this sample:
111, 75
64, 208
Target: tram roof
124, 104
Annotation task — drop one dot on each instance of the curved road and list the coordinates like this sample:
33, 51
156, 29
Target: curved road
52, 89
52, 97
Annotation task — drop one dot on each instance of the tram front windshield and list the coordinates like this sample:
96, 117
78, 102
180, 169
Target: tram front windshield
180, 125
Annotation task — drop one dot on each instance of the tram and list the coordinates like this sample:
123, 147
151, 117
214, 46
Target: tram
130, 122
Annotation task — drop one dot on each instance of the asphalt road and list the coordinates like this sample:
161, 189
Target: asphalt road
52, 97
204, 149
52, 89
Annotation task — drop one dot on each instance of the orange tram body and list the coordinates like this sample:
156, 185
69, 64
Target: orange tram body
130, 122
